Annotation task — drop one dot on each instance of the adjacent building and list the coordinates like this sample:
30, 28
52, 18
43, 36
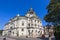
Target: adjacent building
29, 25
48, 31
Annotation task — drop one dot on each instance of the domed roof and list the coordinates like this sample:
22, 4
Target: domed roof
31, 13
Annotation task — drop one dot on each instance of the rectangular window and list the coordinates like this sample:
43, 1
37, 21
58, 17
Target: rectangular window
13, 32
32, 30
38, 31
38, 20
22, 23
35, 25
29, 24
35, 30
32, 24
22, 29
29, 32
35, 20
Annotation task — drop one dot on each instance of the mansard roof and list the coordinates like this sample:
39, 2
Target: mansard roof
31, 11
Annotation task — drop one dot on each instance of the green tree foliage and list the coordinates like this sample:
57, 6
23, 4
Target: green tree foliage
1, 32
53, 15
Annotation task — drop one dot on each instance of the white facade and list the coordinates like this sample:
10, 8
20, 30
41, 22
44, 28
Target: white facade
24, 26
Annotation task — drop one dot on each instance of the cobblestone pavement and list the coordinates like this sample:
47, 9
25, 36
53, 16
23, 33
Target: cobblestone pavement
28, 39
11, 38
16, 38
2, 38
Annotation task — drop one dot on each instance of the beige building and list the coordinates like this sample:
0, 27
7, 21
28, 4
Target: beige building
24, 26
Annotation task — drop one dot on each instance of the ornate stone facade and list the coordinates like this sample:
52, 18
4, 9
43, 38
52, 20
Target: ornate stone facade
24, 26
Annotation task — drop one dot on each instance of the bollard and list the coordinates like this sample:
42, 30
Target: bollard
4, 38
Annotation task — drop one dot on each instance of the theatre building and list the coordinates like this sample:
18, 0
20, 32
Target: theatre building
29, 25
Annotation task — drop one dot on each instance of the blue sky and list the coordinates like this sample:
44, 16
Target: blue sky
10, 8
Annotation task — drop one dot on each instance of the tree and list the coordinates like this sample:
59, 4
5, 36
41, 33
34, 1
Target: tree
1, 32
53, 16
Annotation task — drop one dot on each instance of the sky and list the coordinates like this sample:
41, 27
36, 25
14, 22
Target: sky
10, 8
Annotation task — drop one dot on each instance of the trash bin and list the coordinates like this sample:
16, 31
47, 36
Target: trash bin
4, 38
52, 38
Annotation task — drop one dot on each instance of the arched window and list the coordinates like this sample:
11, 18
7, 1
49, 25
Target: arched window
22, 23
